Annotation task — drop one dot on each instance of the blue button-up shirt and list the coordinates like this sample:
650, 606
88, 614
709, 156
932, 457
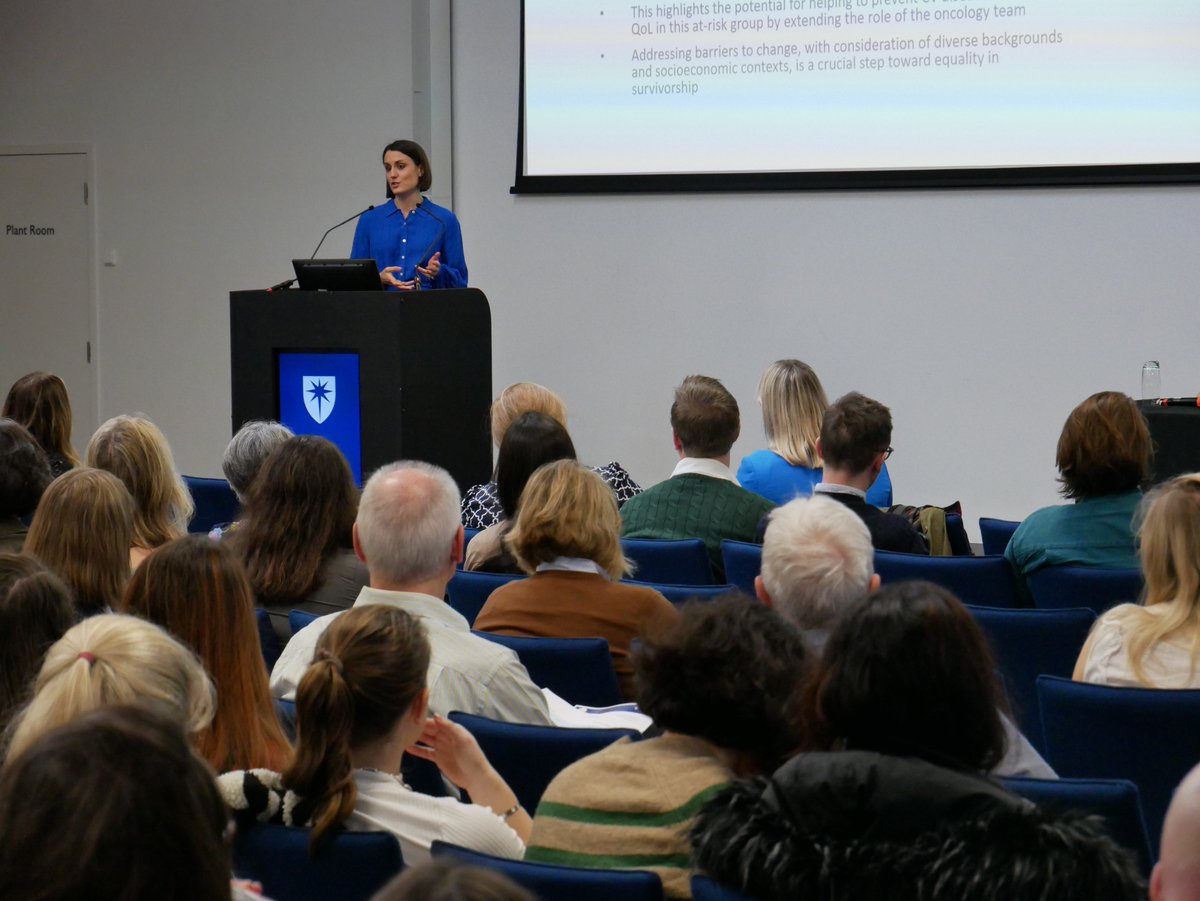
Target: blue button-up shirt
387, 236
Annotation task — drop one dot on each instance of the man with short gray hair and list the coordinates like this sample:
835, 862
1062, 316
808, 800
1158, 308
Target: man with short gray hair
1176, 876
818, 563
409, 535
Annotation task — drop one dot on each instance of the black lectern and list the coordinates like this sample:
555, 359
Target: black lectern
423, 364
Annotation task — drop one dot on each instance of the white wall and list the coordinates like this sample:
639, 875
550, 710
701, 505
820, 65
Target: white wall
228, 136
980, 317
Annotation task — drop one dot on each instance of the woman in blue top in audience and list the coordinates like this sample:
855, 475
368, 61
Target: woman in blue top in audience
417, 243
793, 403
1103, 458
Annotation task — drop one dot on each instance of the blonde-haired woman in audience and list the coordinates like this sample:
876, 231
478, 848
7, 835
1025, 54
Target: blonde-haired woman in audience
197, 590
114, 659
1156, 643
39, 402
481, 507
567, 536
360, 706
82, 530
793, 405
135, 450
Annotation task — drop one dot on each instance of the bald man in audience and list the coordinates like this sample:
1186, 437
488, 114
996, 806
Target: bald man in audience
1176, 876
409, 535
856, 437
818, 563
702, 499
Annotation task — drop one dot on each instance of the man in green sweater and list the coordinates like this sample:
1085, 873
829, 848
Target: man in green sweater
702, 499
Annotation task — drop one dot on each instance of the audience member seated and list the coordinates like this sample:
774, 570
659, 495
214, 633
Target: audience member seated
721, 681
793, 405
36, 608
114, 805
446, 879
39, 402
701, 499
408, 534
197, 591
24, 475
134, 450
1176, 876
82, 530
531, 441
295, 532
818, 566
481, 507
892, 801
856, 437
244, 457
1103, 457
114, 659
1156, 643
567, 536
362, 704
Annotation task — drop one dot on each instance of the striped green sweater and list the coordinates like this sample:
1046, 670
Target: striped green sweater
629, 807
691, 505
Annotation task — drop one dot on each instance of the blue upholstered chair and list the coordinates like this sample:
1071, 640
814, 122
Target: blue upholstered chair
298, 619
1149, 736
1030, 643
579, 670
1116, 800
555, 883
956, 535
1084, 586
215, 503
267, 639
743, 562
681, 594
468, 534
682, 562
350, 866
528, 757
982, 581
469, 591
996, 533
705, 889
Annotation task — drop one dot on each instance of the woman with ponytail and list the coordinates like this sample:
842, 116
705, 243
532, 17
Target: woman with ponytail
360, 706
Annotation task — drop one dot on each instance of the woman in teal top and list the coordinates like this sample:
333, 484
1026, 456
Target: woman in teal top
793, 404
1103, 458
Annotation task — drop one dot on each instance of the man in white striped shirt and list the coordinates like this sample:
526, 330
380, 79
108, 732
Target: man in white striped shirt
409, 535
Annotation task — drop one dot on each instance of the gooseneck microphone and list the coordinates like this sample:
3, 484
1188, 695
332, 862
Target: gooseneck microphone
423, 259
291, 281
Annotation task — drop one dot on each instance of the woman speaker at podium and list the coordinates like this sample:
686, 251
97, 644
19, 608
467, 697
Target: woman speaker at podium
417, 243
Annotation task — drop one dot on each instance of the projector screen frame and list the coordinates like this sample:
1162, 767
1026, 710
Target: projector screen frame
837, 180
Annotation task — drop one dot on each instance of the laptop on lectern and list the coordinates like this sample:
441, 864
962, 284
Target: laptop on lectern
337, 275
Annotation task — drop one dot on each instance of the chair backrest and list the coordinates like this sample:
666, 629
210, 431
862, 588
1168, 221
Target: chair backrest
956, 535
577, 669
267, 639
298, 619
982, 581
1149, 736
1116, 800
1030, 643
468, 534
215, 503
705, 889
350, 866
681, 594
996, 533
1084, 586
528, 757
554, 883
468, 591
677, 562
743, 562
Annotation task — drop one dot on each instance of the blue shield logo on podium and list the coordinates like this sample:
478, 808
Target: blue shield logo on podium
320, 394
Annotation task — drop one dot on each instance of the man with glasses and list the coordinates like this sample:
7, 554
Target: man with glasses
856, 436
